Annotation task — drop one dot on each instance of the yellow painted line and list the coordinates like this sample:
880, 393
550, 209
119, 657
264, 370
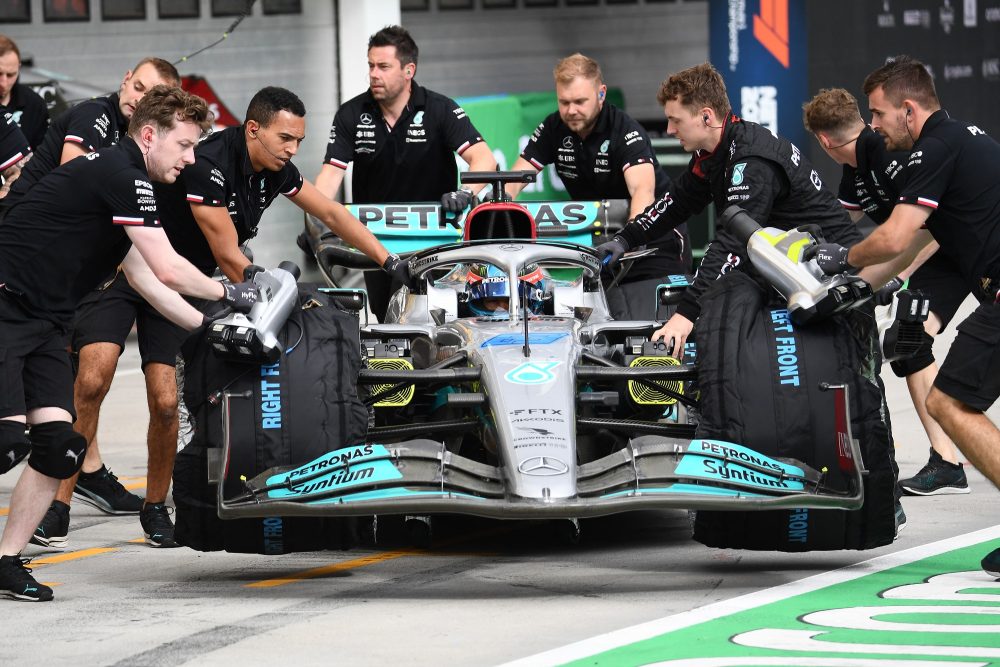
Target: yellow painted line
378, 558
4, 510
335, 567
141, 484
138, 540
72, 555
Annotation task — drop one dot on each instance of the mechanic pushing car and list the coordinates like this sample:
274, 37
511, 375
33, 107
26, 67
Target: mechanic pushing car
402, 139
735, 162
81, 130
213, 208
602, 153
870, 185
950, 196
53, 250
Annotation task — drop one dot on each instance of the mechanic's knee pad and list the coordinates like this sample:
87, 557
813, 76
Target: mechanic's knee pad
923, 358
56, 449
14, 445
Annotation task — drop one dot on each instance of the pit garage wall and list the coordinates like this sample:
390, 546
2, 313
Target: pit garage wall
297, 52
479, 51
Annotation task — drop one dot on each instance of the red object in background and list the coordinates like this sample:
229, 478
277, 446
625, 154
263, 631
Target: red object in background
199, 86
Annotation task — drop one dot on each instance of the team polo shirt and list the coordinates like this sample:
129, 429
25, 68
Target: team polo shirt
412, 161
594, 168
221, 176
93, 125
954, 170
30, 113
13, 144
873, 186
68, 233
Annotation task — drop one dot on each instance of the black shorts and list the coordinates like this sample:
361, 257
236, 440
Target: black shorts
35, 369
971, 371
940, 279
106, 316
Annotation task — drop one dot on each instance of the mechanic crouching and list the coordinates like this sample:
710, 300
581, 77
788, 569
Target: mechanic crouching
54, 249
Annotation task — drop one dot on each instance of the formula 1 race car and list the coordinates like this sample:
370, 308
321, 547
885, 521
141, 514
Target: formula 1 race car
500, 386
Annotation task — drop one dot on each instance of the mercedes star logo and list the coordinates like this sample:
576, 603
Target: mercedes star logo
567, 142
366, 119
543, 466
511, 247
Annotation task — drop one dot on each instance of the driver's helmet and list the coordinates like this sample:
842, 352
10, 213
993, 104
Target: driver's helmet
489, 294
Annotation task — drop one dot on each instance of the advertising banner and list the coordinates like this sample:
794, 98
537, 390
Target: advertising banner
760, 47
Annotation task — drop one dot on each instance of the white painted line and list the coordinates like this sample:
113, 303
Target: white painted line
643, 631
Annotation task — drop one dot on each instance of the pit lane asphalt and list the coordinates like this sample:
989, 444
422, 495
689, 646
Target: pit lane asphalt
485, 593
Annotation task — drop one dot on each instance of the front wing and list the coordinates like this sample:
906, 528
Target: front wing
653, 472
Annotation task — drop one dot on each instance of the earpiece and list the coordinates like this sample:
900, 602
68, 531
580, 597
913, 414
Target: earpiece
908, 110
704, 117
600, 95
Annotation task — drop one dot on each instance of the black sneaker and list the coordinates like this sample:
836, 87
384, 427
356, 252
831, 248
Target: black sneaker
936, 478
991, 563
900, 518
51, 532
103, 490
17, 583
157, 526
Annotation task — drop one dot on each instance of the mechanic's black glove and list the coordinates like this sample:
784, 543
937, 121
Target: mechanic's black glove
250, 270
241, 296
883, 297
612, 251
399, 270
831, 257
211, 311
458, 201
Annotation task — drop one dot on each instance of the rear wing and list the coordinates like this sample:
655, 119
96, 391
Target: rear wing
405, 228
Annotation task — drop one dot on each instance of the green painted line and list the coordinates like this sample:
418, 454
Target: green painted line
928, 606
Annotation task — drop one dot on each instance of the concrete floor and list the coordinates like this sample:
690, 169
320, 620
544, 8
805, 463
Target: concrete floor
487, 593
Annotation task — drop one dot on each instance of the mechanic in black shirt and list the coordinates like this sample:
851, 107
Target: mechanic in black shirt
14, 151
734, 162
74, 227
402, 139
951, 196
871, 184
92, 125
28, 108
602, 153
213, 208
81, 130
